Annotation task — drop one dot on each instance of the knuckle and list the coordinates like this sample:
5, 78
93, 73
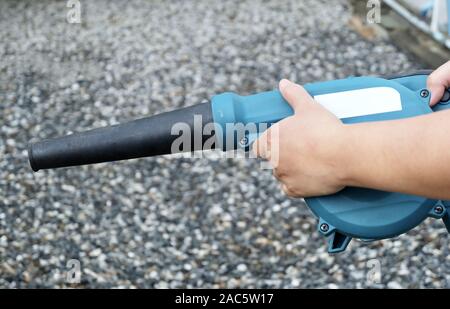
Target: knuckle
255, 149
268, 139
278, 175
433, 80
285, 190
290, 191
280, 172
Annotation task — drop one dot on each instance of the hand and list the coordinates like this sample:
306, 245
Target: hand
307, 150
438, 81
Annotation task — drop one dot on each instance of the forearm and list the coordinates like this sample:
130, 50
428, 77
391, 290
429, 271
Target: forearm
409, 155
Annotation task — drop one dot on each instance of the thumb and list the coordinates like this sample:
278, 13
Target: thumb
295, 95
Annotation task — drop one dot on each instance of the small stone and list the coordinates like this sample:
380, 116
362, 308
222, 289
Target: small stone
187, 267
394, 285
95, 252
242, 268
295, 283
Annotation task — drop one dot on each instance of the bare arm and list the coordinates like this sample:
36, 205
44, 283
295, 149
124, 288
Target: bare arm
409, 156
318, 155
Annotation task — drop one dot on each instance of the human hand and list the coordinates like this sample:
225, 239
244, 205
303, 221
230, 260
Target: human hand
309, 149
438, 82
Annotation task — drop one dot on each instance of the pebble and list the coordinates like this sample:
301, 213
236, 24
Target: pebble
242, 268
394, 285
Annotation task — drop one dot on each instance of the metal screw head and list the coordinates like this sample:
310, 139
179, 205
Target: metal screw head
439, 210
324, 227
424, 93
243, 141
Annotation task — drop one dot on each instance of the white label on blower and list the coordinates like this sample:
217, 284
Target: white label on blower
361, 102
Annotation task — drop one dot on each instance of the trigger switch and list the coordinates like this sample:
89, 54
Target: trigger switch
446, 97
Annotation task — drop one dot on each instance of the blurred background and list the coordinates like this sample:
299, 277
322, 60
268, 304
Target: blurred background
177, 222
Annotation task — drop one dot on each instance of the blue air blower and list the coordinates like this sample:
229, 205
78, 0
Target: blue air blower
364, 214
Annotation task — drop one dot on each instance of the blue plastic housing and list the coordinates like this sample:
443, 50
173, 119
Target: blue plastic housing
352, 213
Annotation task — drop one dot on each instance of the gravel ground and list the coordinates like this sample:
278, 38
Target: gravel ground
176, 222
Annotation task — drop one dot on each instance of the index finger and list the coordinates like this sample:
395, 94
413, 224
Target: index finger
438, 81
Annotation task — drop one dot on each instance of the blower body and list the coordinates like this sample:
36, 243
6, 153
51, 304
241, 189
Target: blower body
364, 214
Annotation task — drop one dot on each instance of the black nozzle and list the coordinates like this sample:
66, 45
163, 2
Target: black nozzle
145, 137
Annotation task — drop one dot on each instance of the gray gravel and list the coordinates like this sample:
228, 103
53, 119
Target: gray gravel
168, 222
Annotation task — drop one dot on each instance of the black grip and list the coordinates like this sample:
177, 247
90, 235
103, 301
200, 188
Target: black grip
145, 137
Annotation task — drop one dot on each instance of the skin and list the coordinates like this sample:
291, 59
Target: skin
319, 155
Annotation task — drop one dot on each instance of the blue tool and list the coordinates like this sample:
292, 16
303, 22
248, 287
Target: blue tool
352, 213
